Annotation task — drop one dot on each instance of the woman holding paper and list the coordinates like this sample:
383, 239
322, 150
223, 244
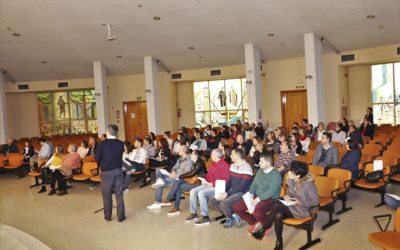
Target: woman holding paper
301, 195
259, 200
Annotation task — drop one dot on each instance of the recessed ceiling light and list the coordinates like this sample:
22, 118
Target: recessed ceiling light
118, 56
139, 5
191, 48
271, 34
16, 34
371, 17
283, 44
156, 18
8, 28
43, 62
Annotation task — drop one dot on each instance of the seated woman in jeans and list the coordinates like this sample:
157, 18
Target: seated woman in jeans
392, 201
301, 191
164, 155
199, 169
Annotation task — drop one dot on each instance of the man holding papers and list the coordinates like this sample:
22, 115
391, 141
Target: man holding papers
201, 194
259, 200
240, 179
164, 178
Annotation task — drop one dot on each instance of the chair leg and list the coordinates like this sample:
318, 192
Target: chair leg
310, 241
344, 208
221, 217
331, 221
36, 182
382, 192
145, 183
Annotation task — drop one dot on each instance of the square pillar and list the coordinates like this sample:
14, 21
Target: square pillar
101, 93
152, 94
314, 78
3, 110
253, 81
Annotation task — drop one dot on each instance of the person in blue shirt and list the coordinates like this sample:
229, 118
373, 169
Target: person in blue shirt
352, 157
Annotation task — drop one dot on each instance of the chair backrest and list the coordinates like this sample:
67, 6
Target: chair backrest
87, 166
316, 170
326, 186
343, 176
209, 163
396, 223
387, 160
14, 159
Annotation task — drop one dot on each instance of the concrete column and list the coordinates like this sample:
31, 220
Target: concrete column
3, 114
253, 77
100, 89
314, 78
152, 96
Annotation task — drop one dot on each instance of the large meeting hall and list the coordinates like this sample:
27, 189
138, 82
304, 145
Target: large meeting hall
199, 124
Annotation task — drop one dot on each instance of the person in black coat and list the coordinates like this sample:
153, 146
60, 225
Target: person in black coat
351, 159
109, 156
213, 140
366, 129
10, 147
355, 135
260, 131
224, 134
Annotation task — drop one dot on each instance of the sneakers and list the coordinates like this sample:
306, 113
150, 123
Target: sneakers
165, 204
154, 206
174, 211
159, 184
237, 220
230, 222
191, 217
205, 220
126, 190
92, 186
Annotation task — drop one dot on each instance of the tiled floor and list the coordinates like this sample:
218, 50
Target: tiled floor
69, 222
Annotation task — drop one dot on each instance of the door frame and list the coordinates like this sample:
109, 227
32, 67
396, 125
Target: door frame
283, 104
124, 112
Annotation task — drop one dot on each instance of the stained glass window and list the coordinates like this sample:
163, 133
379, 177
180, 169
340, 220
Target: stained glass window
220, 102
65, 113
386, 93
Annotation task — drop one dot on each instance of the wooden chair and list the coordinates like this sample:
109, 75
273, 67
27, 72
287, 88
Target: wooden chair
316, 170
387, 239
15, 161
328, 189
86, 173
344, 177
379, 187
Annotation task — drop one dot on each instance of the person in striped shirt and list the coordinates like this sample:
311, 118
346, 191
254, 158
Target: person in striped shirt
285, 158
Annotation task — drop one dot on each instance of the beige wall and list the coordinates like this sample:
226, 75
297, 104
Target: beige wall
359, 90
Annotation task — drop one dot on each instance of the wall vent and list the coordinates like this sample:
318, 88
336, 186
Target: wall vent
23, 86
398, 50
63, 84
176, 76
215, 72
348, 58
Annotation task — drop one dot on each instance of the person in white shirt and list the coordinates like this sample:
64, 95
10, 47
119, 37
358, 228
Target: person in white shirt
339, 135
136, 159
304, 140
167, 136
320, 131
199, 144
83, 149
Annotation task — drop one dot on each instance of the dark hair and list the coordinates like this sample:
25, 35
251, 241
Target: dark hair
140, 141
328, 136
296, 129
153, 136
239, 152
214, 130
209, 126
149, 139
305, 120
42, 139
267, 156
184, 130
299, 168
353, 145
227, 153
197, 153
370, 109
128, 145
353, 126
85, 143
164, 144
167, 133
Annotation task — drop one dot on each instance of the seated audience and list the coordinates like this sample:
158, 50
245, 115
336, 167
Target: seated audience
367, 129
53, 163
224, 133
240, 179
212, 140
83, 149
164, 178
199, 143
207, 131
234, 132
10, 147
280, 134
344, 124
135, 161
351, 159
240, 143
201, 194
163, 157
149, 147
260, 131
102, 137
198, 170
285, 158
264, 190
29, 154
304, 140
355, 135
92, 146
273, 144
326, 154
295, 144
319, 131
304, 123
227, 151
246, 130
339, 135
301, 192
253, 147
167, 136
261, 148
45, 151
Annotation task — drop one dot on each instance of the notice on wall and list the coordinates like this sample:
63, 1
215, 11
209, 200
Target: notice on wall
133, 115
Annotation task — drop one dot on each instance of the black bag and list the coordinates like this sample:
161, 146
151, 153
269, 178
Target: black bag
6, 163
395, 170
373, 177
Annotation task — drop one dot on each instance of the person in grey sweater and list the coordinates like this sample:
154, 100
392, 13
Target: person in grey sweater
326, 154
301, 195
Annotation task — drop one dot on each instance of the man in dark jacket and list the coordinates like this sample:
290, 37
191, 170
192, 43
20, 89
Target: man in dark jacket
356, 135
109, 156
213, 140
10, 147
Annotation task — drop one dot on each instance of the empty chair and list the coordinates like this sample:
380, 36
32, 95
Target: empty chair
387, 239
316, 170
328, 189
86, 173
344, 177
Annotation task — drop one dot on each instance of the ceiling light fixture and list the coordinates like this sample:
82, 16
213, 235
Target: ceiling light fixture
139, 5
191, 48
371, 17
16, 34
156, 18
118, 56
109, 36
270, 34
43, 62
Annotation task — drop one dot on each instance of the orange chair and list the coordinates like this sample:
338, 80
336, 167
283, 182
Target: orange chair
379, 187
328, 189
14, 161
86, 171
316, 170
387, 239
344, 177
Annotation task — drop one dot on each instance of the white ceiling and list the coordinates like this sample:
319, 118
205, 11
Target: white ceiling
69, 36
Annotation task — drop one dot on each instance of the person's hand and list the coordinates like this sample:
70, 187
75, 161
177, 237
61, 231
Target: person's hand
222, 196
286, 198
280, 168
290, 175
173, 175
255, 201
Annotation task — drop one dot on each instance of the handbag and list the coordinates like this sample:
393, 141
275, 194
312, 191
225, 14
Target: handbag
373, 177
395, 170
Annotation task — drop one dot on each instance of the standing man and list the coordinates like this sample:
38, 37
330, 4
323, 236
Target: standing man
109, 156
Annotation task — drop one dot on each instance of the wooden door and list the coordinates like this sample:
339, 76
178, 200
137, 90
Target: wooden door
135, 120
294, 107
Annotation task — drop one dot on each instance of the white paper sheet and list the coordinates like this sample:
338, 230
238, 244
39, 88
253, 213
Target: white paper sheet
287, 203
219, 187
164, 172
394, 196
378, 165
248, 200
